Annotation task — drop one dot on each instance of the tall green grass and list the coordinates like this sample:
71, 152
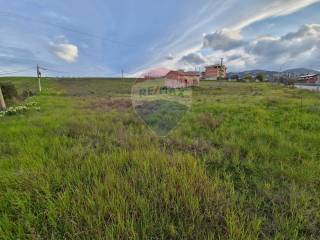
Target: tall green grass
242, 164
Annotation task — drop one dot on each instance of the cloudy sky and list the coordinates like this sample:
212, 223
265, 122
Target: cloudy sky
102, 37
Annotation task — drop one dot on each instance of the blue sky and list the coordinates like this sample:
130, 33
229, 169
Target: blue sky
101, 37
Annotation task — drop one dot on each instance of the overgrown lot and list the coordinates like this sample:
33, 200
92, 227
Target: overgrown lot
244, 163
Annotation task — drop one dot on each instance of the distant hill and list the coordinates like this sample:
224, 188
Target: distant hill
253, 73
271, 74
300, 71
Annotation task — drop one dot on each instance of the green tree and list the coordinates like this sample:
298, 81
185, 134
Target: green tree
248, 78
261, 77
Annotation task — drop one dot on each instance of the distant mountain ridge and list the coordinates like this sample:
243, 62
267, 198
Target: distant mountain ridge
270, 74
301, 71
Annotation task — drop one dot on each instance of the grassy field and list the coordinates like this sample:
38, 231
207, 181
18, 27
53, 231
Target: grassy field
244, 163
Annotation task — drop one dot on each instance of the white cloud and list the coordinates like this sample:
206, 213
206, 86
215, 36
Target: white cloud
295, 49
273, 8
170, 57
229, 37
289, 47
65, 51
301, 47
222, 40
194, 59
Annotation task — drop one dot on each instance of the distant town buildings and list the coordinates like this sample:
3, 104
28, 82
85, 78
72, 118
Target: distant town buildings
309, 79
183, 79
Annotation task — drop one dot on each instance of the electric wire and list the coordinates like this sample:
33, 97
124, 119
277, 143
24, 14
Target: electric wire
18, 16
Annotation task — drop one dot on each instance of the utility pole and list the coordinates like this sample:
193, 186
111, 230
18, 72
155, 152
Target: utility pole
221, 69
39, 78
280, 70
2, 102
122, 74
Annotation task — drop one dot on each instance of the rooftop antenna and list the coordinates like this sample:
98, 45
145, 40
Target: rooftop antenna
222, 62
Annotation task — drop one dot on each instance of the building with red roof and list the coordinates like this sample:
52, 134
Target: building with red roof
182, 79
310, 78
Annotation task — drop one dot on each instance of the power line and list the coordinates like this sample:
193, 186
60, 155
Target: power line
14, 72
47, 70
55, 71
37, 60
60, 71
14, 15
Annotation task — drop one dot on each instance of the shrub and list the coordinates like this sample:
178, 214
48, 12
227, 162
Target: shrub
261, 77
27, 93
248, 78
9, 91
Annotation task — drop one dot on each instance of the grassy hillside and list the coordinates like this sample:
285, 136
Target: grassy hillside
242, 164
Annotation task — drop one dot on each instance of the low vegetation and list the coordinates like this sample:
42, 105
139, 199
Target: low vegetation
243, 163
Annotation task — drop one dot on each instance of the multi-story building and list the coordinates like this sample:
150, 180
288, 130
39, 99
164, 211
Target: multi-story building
215, 72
